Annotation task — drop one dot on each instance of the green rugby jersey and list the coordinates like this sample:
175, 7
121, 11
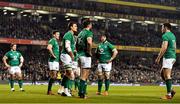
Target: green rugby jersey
13, 58
70, 37
104, 51
82, 41
171, 49
55, 48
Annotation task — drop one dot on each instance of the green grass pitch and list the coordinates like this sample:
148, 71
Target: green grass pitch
117, 94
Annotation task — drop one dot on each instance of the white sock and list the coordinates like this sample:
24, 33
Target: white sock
169, 93
66, 90
60, 91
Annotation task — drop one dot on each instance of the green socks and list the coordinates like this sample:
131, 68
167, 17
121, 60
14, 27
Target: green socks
11, 83
20, 82
82, 87
107, 83
100, 83
71, 83
76, 83
63, 81
169, 85
66, 84
85, 88
51, 81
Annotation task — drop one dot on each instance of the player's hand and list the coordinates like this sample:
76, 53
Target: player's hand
54, 56
157, 60
109, 61
89, 54
20, 65
8, 66
71, 55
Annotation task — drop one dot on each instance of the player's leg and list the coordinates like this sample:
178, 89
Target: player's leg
54, 68
67, 63
107, 82
167, 76
100, 79
167, 67
71, 81
11, 81
66, 80
77, 78
12, 77
20, 79
83, 81
107, 69
162, 74
53, 76
86, 66
61, 88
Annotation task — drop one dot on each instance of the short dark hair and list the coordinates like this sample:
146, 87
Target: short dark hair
12, 44
86, 22
167, 25
103, 33
71, 24
55, 31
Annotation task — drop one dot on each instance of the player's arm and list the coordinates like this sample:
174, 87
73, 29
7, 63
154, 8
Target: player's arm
89, 46
115, 52
68, 49
162, 51
97, 55
5, 61
21, 61
49, 48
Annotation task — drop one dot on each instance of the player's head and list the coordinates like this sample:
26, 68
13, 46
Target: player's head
103, 38
165, 27
87, 23
72, 26
56, 34
13, 47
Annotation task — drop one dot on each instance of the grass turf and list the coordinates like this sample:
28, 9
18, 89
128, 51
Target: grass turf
117, 94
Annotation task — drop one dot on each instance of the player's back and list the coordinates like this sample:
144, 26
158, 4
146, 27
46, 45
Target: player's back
82, 40
171, 49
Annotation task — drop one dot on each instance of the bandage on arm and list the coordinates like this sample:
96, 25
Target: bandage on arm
68, 48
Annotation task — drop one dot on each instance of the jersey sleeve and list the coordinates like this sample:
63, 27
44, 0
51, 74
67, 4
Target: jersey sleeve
112, 47
51, 42
164, 38
90, 34
20, 54
67, 38
7, 54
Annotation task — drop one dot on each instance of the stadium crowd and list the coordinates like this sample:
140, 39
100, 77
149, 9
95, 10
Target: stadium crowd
118, 33
126, 69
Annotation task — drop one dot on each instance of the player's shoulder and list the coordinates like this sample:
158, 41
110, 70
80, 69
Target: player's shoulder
168, 35
18, 51
52, 39
67, 34
165, 35
8, 52
89, 32
108, 43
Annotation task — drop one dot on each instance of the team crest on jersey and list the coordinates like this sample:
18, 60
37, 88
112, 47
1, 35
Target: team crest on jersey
101, 50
